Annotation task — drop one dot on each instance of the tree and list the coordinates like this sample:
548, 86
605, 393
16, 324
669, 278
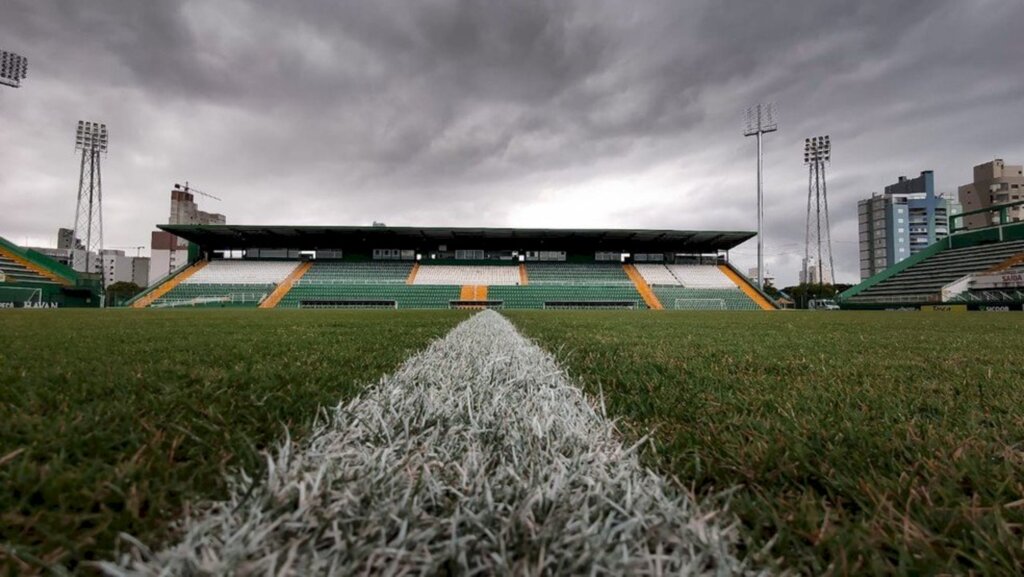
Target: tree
120, 292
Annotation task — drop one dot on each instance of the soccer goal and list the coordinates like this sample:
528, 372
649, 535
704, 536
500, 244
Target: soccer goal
700, 305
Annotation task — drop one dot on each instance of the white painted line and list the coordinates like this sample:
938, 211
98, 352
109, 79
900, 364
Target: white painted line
477, 456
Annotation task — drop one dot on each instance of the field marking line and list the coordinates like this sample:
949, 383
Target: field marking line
477, 455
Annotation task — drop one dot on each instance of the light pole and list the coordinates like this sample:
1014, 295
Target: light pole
13, 68
817, 153
760, 120
91, 139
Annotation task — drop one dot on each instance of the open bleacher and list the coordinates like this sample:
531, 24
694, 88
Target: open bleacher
375, 284
694, 287
458, 275
923, 281
228, 283
30, 279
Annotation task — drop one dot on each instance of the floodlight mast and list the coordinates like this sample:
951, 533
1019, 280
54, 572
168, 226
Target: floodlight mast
817, 153
91, 139
13, 68
760, 120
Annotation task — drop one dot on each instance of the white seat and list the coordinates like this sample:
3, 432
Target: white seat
467, 275
243, 272
700, 276
657, 274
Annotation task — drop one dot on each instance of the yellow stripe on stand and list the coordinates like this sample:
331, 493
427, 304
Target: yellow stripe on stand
411, 279
1008, 263
467, 293
34, 267
747, 289
642, 287
481, 293
167, 286
286, 285
524, 279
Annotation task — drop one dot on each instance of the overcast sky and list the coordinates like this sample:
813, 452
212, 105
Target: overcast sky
483, 113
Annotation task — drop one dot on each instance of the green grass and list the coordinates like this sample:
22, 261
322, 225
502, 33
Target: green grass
864, 443
113, 421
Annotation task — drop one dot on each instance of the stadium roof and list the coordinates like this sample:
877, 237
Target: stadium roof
428, 239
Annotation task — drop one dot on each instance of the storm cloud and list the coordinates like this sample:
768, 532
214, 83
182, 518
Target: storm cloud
479, 113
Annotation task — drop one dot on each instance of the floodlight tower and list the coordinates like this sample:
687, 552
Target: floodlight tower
818, 153
13, 68
760, 120
91, 139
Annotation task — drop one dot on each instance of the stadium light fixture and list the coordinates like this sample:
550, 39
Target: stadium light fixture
760, 120
91, 136
13, 68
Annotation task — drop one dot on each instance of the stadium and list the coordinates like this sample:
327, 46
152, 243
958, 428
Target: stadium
790, 433
574, 355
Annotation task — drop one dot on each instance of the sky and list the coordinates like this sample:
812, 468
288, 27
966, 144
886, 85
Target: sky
568, 113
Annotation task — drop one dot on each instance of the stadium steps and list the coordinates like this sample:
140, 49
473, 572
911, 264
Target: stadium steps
924, 280
473, 294
412, 274
747, 288
1008, 263
641, 287
285, 286
168, 285
34, 268
524, 279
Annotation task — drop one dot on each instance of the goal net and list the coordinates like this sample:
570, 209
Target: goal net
700, 305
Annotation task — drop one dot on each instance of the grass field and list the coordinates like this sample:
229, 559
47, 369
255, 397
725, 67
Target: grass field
864, 442
859, 442
112, 421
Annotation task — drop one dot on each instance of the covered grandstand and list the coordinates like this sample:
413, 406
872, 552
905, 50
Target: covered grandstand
30, 279
982, 269
431, 268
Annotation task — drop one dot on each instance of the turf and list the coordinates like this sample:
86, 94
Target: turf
113, 421
862, 443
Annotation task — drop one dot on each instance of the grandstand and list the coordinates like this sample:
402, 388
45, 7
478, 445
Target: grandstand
440, 268
29, 279
972, 267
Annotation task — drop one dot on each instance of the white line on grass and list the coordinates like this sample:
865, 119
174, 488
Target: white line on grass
477, 456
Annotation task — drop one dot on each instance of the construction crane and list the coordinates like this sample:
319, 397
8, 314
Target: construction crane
137, 249
187, 188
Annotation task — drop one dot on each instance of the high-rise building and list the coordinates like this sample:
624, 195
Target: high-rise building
169, 252
184, 210
902, 221
994, 183
118, 267
813, 274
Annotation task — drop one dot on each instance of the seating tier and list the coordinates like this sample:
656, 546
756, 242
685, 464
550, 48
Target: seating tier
242, 272
925, 279
540, 273
657, 274
537, 296
336, 294
683, 298
700, 276
467, 275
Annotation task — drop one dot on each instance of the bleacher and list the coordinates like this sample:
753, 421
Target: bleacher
694, 287
922, 282
374, 284
599, 274
485, 275
15, 272
228, 283
683, 298
577, 296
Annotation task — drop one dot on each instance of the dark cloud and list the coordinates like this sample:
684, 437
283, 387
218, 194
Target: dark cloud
559, 113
